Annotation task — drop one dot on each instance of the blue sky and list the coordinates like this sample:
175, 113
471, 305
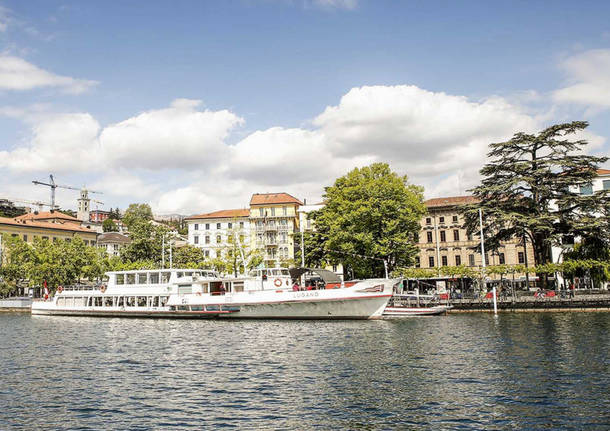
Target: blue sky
193, 106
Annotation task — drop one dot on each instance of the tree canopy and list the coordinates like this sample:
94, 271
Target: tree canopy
371, 215
530, 189
137, 213
109, 225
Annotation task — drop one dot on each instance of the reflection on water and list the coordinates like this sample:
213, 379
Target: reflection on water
454, 372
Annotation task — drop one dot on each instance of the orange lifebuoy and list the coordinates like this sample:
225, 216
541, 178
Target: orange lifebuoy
103, 288
60, 289
277, 282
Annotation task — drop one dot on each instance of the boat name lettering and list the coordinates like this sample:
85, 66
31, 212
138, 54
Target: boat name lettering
306, 294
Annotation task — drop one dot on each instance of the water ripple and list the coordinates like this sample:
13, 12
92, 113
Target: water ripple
455, 372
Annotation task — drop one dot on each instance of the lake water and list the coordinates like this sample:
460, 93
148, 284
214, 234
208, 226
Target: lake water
474, 371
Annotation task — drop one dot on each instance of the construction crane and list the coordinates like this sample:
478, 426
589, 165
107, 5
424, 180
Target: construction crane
97, 204
24, 201
53, 186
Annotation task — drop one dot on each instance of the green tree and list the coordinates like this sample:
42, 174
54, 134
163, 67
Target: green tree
137, 213
591, 248
371, 215
17, 257
526, 191
146, 243
109, 225
188, 256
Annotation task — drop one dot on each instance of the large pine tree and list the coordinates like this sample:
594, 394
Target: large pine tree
530, 189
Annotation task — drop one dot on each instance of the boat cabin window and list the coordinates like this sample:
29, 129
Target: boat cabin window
120, 302
98, 301
130, 301
142, 278
141, 301
216, 287
154, 278
131, 278
155, 301
180, 274
238, 286
108, 301
164, 300
165, 276
120, 278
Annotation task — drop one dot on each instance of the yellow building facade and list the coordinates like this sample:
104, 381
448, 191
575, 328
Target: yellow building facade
274, 220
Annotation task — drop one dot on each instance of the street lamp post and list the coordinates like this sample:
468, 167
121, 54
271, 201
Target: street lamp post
483, 261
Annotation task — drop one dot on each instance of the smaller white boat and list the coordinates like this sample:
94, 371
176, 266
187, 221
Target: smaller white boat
414, 304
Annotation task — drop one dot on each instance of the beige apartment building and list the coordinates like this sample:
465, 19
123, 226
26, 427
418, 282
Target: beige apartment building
47, 225
274, 219
443, 241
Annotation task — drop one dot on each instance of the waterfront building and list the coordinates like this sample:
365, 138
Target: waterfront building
443, 240
215, 232
274, 220
113, 242
55, 228
49, 216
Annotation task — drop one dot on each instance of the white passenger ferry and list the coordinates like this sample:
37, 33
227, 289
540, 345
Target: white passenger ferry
188, 293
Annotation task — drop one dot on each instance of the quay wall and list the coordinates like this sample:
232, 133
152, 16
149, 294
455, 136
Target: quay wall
583, 303
22, 305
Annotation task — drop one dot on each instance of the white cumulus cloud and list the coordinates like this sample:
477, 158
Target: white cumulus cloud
180, 137
589, 77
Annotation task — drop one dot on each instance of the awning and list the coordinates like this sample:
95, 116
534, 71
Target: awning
326, 275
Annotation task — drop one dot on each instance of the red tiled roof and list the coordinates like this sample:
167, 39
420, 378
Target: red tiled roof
45, 215
450, 201
71, 227
112, 237
222, 214
273, 198
603, 172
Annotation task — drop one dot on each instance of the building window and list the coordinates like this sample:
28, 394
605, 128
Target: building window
273, 211
429, 235
230, 225
441, 219
218, 239
44, 237
285, 211
458, 260
521, 257
456, 235
431, 261
206, 253
502, 260
217, 225
241, 224
261, 212
196, 226
25, 238
196, 239
207, 239
586, 190
443, 237
428, 220
444, 260
606, 184
417, 263
471, 259
455, 219
469, 237
207, 226
416, 237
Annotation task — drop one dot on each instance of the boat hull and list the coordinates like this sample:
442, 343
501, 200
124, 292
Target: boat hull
390, 312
